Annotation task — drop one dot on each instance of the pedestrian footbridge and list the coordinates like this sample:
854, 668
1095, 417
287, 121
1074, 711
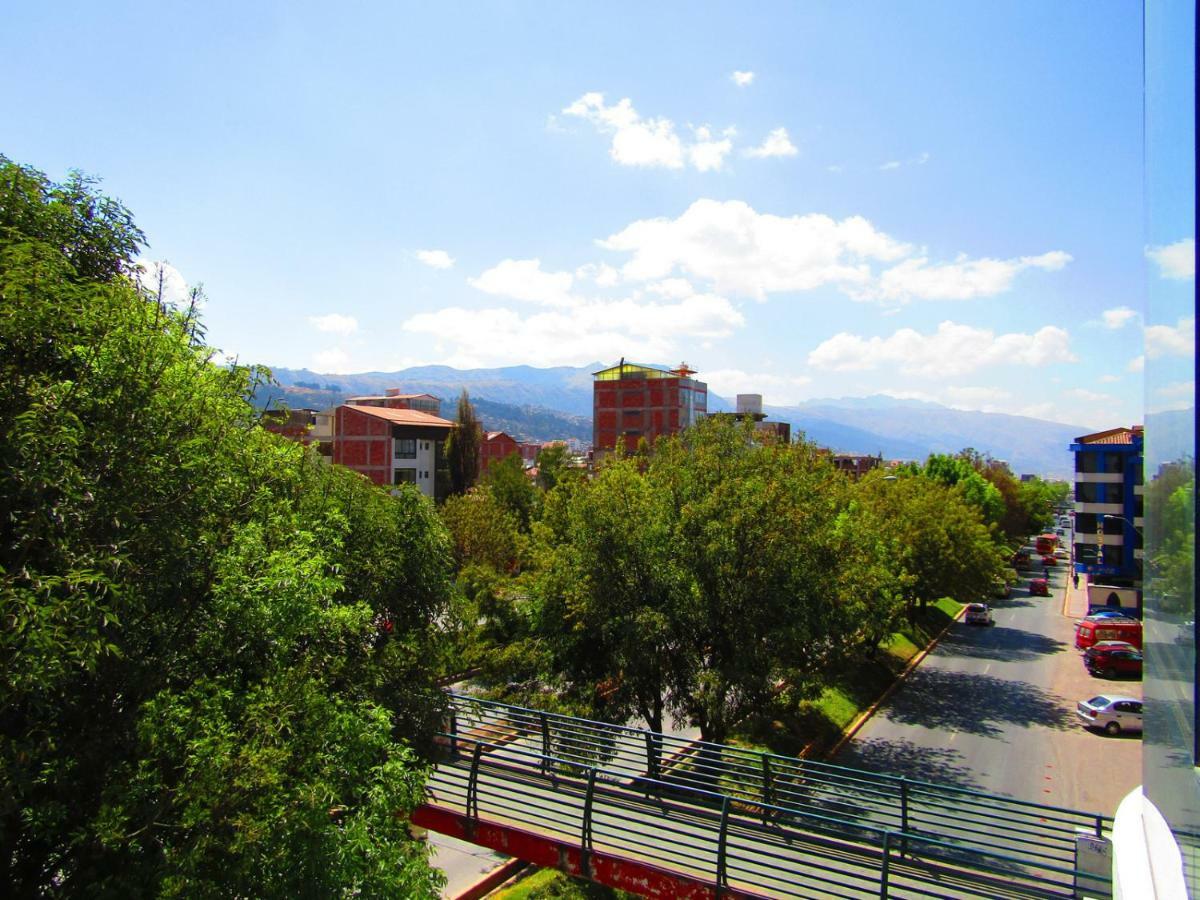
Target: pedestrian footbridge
667, 817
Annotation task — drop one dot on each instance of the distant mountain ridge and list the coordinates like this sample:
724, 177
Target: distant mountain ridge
542, 404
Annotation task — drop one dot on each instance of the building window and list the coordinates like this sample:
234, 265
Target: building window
404, 476
1089, 492
405, 448
1085, 523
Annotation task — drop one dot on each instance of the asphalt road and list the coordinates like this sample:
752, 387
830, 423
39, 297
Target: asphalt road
993, 709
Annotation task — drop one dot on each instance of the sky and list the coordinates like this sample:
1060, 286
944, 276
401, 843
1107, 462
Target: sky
931, 200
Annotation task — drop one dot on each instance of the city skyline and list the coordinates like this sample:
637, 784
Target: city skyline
926, 201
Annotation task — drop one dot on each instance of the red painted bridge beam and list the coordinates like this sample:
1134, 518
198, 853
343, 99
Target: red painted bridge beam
614, 871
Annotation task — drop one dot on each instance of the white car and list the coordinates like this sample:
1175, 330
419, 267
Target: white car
979, 614
1111, 714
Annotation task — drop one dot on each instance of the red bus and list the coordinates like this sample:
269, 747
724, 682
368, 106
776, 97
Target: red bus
1046, 543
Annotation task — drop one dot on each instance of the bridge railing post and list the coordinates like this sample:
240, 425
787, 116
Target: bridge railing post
473, 784
453, 732
768, 786
722, 845
585, 836
884, 867
903, 816
545, 742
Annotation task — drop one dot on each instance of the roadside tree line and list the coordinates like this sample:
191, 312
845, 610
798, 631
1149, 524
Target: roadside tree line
694, 581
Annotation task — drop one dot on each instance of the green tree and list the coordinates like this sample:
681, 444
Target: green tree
938, 543
462, 447
960, 473
513, 490
218, 652
484, 531
754, 535
610, 591
553, 464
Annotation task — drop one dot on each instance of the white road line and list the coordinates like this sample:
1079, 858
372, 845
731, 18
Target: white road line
987, 668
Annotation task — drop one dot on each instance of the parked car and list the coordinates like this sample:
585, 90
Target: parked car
1105, 660
1049, 560
1020, 558
1061, 553
1113, 645
1111, 714
1039, 587
979, 614
1091, 631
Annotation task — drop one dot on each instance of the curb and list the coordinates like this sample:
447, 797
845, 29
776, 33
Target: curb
493, 879
863, 717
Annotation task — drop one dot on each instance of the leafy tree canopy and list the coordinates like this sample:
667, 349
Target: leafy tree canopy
217, 650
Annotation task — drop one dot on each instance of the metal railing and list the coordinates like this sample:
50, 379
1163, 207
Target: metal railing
744, 816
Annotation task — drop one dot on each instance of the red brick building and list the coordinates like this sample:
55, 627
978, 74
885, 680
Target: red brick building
392, 439
636, 402
495, 446
855, 465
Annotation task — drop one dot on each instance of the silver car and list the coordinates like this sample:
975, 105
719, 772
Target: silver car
1112, 714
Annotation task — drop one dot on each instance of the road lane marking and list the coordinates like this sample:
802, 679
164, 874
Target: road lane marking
987, 668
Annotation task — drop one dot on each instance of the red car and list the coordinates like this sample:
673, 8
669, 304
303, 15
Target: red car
1107, 661
1039, 587
1049, 560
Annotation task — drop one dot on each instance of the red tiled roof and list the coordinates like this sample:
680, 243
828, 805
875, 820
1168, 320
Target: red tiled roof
1111, 436
402, 416
493, 435
391, 397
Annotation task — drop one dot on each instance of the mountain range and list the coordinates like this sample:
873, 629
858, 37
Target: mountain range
543, 404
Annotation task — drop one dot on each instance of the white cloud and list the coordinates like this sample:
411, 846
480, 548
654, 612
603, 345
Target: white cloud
437, 259
594, 329
1137, 364
835, 169
1165, 340
742, 79
1118, 317
707, 154
334, 361
1110, 379
158, 274
636, 141
739, 250
892, 164
1184, 389
952, 350
777, 390
523, 279
962, 279
1176, 261
1085, 396
602, 274
777, 143
335, 323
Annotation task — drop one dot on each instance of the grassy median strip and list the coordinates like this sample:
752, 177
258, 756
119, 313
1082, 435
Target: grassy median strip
811, 726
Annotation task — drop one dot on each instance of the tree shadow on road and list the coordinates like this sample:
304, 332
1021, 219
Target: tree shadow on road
942, 765
1000, 643
974, 703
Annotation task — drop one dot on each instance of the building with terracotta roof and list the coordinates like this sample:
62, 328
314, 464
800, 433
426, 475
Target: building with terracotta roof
1108, 506
392, 439
635, 402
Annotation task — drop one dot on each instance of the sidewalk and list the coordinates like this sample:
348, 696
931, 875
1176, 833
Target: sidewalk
1075, 600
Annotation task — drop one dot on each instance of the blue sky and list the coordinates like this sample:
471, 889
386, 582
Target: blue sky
935, 200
